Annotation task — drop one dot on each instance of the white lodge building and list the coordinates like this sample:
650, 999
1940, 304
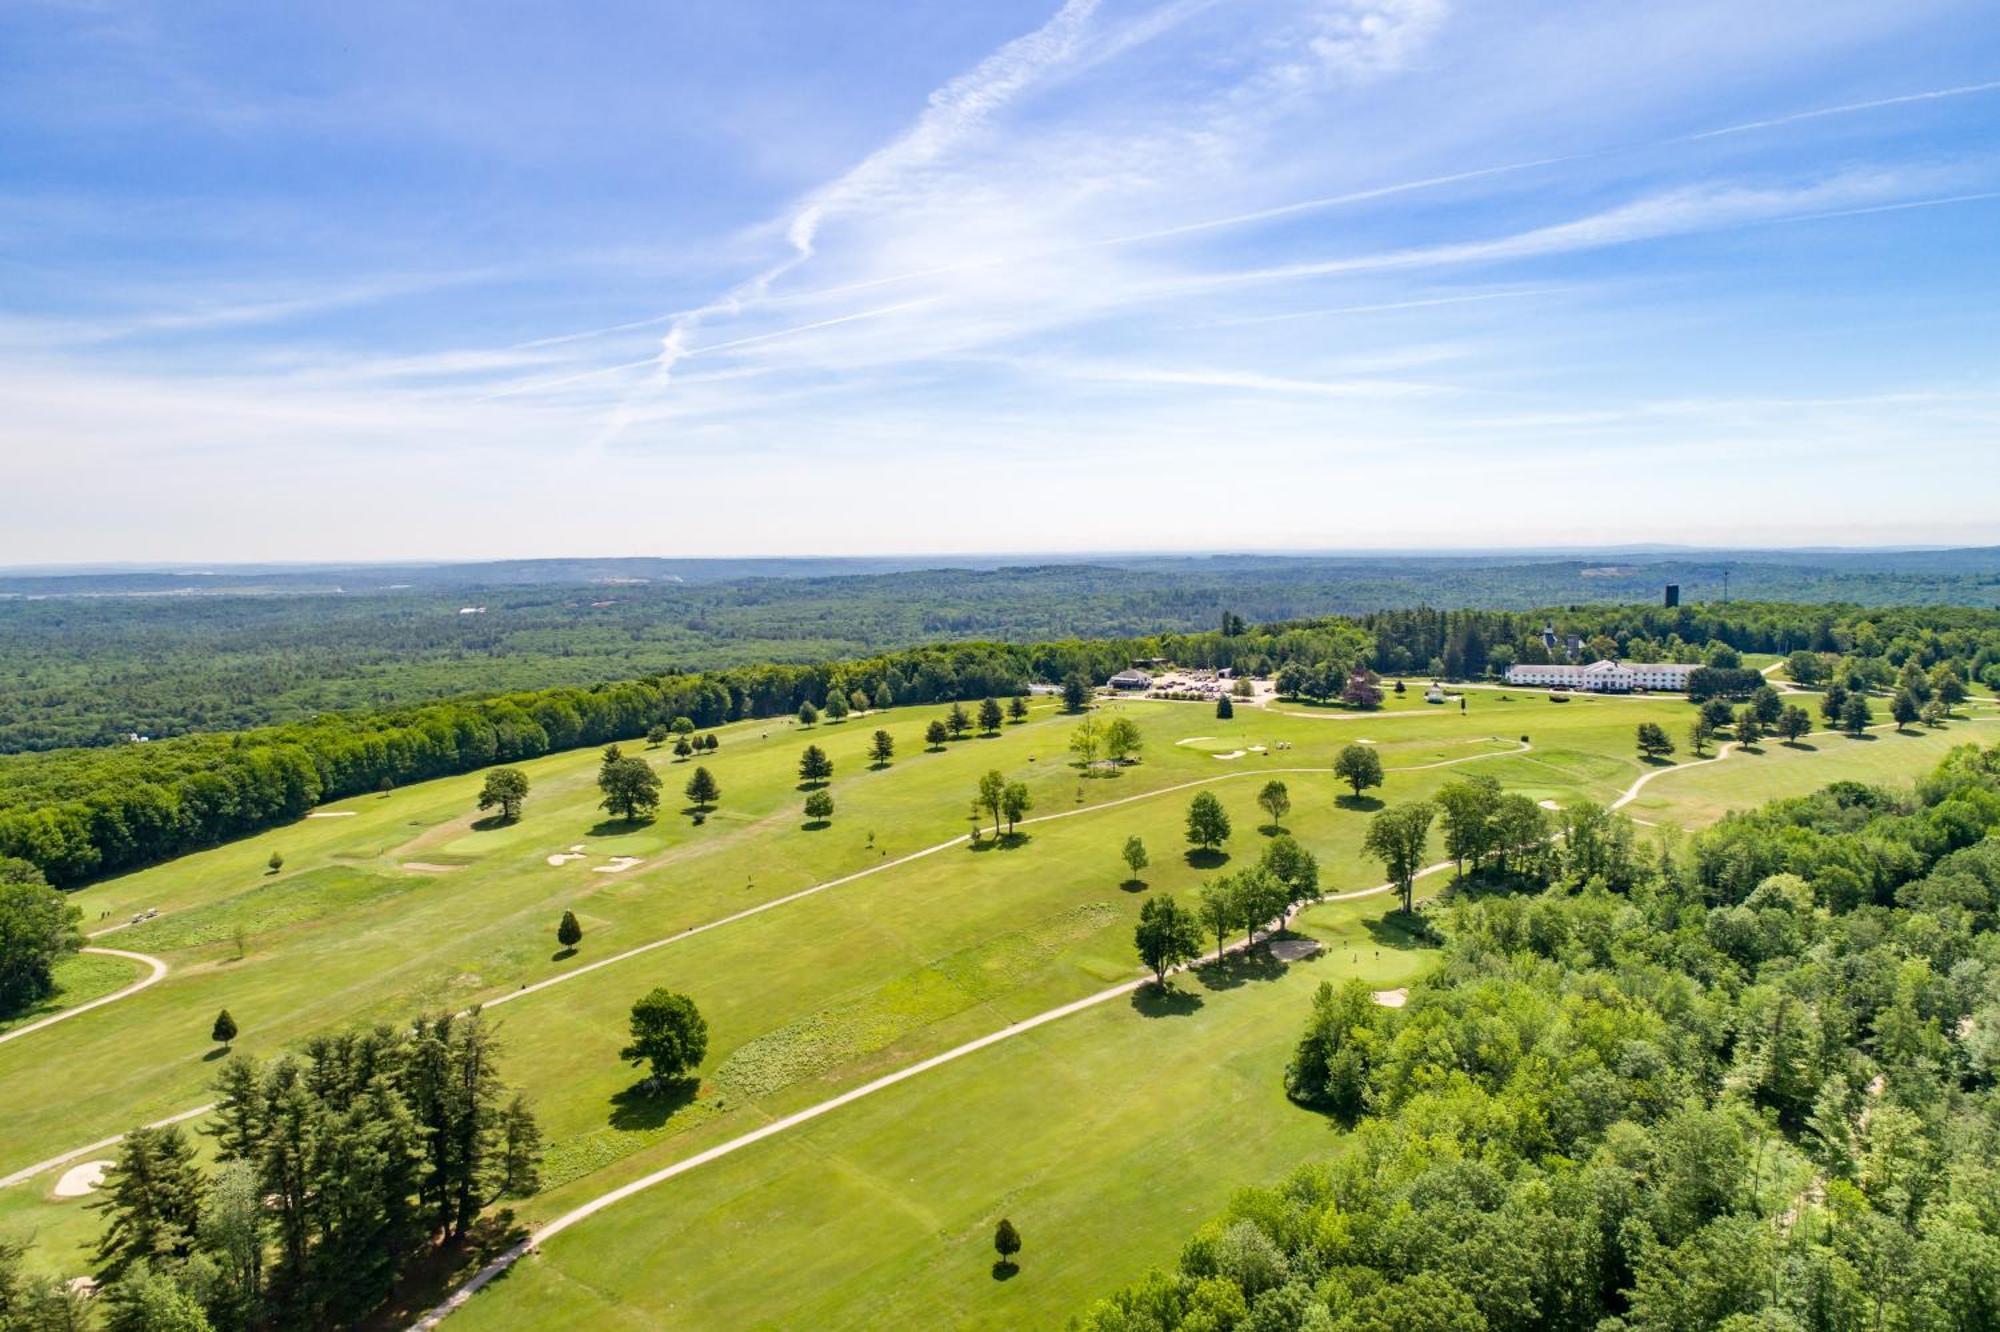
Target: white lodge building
1605, 677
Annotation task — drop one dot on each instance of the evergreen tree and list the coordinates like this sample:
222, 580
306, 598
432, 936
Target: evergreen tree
936, 734
702, 789
152, 1195
1006, 1241
881, 748
1076, 692
224, 1030
568, 932
1017, 709
815, 766
957, 722
989, 715
1224, 709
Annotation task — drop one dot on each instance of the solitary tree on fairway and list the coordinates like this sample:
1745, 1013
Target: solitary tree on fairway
881, 748
1217, 909
1276, 800
1006, 1241
1135, 855
669, 1037
1017, 709
819, 807
836, 706
702, 790
989, 715
957, 721
1168, 935
1653, 741
224, 1030
1014, 803
1905, 708
1224, 709
630, 786
1086, 740
656, 735
1076, 692
568, 933
1397, 837
935, 735
276, 862
505, 787
683, 747
814, 765
1359, 766
808, 714
992, 797
1793, 723
1207, 822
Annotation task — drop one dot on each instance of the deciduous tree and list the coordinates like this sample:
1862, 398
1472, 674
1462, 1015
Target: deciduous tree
882, 748
506, 788
1276, 800
819, 807
814, 765
989, 715
1207, 821
1398, 837
669, 1036
1359, 766
1167, 935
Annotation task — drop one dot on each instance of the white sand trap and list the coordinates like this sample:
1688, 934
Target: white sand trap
564, 857
1232, 754
618, 865
1364, 742
578, 847
1391, 998
333, 814
1195, 740
1293, 950
82, 1179
427, 867
1258, 749
1548, 804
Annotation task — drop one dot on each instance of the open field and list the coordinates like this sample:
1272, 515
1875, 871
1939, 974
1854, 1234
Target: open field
1081, 1130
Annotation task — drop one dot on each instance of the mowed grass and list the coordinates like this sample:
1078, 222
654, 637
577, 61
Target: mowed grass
805, 1000
79, 978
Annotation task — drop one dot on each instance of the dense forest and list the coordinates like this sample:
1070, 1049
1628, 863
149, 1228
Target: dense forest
1748, 1085
93, 658
81, 813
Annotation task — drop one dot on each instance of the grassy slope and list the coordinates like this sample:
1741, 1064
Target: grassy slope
812, 997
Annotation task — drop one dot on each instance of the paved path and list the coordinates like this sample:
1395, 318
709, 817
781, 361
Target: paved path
159, 971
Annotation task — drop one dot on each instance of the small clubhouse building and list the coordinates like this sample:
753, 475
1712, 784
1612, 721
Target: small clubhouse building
1605, 677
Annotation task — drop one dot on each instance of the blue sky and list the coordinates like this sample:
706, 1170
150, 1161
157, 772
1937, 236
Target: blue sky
389, 280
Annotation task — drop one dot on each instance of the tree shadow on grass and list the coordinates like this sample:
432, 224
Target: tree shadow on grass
816, 825
1240, 968
615, 827
1271, 829
1800, 744
1151, 1001
489, 822
1134, 885
432, 1275
809, 786
1655, 761
1005, 1269
1400, 930
562, 955
1207, 858
638, 1108
1004, 842
1868, 736
1364, 804
219, 1052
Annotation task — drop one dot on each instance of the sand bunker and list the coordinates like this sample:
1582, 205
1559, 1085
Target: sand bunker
618, 865
427, 867
1548, 804
1196, 740
1293, 950
333, 814
80, 1180
1391, 998
564, 857
1232, 754
1258, 749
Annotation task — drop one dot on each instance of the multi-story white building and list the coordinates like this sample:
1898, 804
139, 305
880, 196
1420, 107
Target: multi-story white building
1605, 677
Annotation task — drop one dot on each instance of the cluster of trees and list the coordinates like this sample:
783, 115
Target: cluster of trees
1170, 934
1117, 740
1350, 682
1000, 799
335, 1170
38, 928
1754, 1086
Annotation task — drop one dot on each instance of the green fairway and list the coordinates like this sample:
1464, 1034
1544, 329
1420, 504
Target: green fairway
918, 943
79, 978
